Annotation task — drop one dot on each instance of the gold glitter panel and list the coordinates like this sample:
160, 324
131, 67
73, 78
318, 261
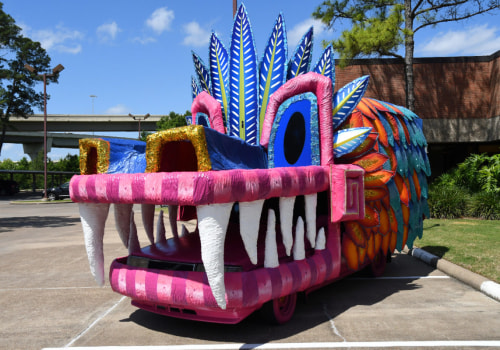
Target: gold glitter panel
94, 156
193, 133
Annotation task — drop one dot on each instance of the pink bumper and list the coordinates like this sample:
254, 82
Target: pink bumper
188, 295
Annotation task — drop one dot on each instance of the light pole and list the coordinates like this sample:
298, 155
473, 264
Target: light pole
93, 98
55, 71
139, 119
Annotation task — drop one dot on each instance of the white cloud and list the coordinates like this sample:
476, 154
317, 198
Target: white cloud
479, 40
60, 39
195, 35
108, 31
297, 32
143, 40
160, 20
118, 109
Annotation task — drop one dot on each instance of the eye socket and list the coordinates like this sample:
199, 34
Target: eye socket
295, 137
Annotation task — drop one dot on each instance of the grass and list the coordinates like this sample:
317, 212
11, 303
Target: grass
471, 243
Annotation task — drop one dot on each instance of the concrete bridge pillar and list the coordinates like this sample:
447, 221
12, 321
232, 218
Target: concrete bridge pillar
32, 149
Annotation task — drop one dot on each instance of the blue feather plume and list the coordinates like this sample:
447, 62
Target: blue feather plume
300, 62
272, 66
243, 79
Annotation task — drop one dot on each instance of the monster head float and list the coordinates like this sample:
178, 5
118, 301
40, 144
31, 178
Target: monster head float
291, 184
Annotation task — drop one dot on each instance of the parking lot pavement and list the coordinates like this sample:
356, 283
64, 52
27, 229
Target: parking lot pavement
49, 300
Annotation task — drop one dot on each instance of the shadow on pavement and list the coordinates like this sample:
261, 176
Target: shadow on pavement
7, 224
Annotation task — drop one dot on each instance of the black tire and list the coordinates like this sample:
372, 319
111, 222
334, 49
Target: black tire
52, 197
280, 310
378, 265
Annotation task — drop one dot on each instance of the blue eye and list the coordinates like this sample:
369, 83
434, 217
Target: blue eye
294, 139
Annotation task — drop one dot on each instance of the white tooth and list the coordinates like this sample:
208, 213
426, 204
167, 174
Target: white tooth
172, 218
160, 229
122, 221
93, 217
321, 239
133, 243
286, 221
184, 231
271, 250
249, 226
299, 251
148, 220
311, 201
212, 224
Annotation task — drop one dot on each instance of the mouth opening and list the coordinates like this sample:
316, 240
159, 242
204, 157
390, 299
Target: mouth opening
178, 156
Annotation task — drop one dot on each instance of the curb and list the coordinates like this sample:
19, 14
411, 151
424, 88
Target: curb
482, 284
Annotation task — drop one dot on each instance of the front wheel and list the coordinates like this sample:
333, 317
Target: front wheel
378, 264
52, 197
280, 310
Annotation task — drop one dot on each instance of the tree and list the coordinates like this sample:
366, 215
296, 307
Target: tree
172, 120
381, 27
17, 94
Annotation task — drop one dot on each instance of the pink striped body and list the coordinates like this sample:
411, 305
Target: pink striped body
162, 291
199, 188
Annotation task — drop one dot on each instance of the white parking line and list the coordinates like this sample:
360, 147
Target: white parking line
95, 322
50, 288
397, 278
326, 345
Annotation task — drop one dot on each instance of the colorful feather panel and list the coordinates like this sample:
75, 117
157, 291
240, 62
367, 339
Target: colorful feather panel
243, 80
300, 62
219, 72
272, 66
202, 73
347, 98
396, 170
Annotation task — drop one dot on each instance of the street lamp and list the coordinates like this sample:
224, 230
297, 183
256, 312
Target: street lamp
57, 69
139, 119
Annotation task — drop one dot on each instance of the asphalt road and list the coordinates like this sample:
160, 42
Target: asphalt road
49, 299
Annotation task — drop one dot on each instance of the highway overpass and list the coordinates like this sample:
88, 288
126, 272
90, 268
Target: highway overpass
60, 128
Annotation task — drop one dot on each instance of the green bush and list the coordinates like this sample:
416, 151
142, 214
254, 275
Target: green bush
472, 189
448, 202
485, 205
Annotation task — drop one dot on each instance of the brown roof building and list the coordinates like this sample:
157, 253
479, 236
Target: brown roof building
458, 99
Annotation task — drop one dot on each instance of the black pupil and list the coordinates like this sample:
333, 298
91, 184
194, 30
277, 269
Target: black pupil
295, 136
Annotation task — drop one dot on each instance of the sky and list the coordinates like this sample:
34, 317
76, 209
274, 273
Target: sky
135, 56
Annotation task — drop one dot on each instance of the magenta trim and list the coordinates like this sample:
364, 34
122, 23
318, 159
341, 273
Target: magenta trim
199, 188
208, 105
321, 86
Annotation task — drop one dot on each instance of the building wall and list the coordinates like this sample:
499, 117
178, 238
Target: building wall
445, 88
458, 99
